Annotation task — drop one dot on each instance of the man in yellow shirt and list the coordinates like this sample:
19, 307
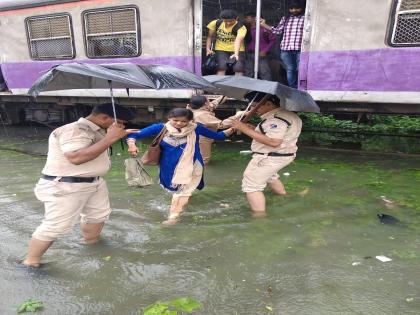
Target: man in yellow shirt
229, 45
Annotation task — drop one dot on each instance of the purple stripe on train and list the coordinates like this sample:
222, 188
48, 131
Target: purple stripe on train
23, 74
390, 69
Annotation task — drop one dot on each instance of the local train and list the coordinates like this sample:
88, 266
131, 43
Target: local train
357, 56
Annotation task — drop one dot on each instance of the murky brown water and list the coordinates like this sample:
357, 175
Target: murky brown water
309, 256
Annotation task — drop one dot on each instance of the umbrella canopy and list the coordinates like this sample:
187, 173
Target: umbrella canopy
124, 75
238, 86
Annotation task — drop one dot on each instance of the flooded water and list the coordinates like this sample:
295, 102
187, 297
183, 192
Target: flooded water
313, 254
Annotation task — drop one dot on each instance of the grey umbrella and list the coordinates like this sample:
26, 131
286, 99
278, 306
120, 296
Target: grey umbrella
238, 86
122, 75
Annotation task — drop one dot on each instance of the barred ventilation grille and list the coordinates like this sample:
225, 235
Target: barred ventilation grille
111, 33
409, 5
50, 37
406, 30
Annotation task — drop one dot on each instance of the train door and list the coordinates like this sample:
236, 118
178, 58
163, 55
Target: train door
272, 11
3, 86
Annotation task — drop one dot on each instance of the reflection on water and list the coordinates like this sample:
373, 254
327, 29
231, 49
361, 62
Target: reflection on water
313, 254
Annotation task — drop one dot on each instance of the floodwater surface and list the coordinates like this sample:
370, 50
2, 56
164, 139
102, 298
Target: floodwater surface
314, 253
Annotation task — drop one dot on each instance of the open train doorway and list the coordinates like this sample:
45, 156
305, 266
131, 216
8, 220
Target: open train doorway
271, 10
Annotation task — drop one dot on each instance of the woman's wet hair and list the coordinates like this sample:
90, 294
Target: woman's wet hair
197, 101
228, 14
181, 112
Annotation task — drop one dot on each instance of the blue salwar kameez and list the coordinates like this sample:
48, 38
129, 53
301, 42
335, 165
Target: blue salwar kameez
172, 149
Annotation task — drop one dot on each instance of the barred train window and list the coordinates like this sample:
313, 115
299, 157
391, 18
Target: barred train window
406, 26
112, 32
50, 37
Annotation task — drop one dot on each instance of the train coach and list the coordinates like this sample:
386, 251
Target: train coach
357, 56
36, 35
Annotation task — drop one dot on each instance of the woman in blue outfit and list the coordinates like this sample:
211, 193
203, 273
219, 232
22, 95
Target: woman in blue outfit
181, 163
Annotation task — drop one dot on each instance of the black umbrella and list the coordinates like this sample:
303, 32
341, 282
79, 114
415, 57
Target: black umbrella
123, 75
238, 86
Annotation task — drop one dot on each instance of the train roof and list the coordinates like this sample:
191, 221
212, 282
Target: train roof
6, 5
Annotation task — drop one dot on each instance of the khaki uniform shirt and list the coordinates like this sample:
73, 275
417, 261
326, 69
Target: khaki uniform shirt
276, 128
209, 120
206, 118
71, 137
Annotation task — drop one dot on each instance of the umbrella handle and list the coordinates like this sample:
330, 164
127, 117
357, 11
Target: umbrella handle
248, 106
112, 100
253, 111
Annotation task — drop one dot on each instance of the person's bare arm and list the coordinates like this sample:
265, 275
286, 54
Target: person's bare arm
259, 137
237, 45
89, 153
216, 102
209, 41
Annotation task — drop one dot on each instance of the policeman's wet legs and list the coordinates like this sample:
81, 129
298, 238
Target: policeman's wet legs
36, 249
277, 187
91, 232
256, 200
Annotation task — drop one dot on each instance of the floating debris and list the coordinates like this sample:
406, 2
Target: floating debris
356, 263
245, 152
384, 199
286, 174
387, 219
30, 306
303, 192
383, 258
107, 258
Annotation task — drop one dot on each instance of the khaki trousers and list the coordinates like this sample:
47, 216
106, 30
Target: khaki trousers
263, 169
65, 203
205, 148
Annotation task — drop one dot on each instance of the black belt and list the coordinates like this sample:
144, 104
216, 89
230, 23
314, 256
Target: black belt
275, 154
71, 179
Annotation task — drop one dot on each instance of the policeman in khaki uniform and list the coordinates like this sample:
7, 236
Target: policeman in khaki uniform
203, 111
71, 185
273, 147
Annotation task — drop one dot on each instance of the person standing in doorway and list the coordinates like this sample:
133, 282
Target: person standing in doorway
291, 28
273, 147
71, 185
229, 45
267, 40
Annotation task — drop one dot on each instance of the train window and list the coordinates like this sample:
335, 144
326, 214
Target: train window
112, 32
50, 37
405, 23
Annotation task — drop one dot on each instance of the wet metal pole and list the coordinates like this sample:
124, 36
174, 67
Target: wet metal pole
257, 39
